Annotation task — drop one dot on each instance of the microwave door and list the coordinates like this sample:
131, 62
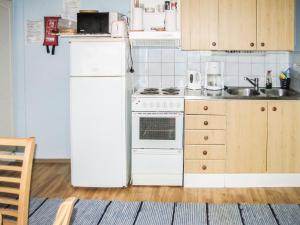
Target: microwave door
157, 130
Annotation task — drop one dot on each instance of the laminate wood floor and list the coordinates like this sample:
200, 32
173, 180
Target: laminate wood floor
53, 180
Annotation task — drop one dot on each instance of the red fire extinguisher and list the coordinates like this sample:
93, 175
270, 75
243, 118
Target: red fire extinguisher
51, 28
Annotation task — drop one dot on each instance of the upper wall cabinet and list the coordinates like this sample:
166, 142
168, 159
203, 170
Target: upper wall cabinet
275, 24
237, 24
199, 20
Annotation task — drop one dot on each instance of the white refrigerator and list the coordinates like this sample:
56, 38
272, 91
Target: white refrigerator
100, 92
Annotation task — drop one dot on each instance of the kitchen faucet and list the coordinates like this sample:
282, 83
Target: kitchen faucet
254, 82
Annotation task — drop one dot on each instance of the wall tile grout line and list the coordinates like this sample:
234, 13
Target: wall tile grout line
138, 213
241, 213
38, 207
274, 214
104, 212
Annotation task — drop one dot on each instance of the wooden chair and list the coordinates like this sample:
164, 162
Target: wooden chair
15, 177
64, 212
19, 196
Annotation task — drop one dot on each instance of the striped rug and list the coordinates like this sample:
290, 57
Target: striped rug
94, 212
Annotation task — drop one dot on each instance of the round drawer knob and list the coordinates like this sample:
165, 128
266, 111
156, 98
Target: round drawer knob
204, 152
205, 108
274, 109
262, 109
252, 44
205, 123
262, 44
205, 138
204, 167
214, 44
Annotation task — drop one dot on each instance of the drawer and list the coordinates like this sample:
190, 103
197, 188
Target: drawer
204, 166
202, 137
157, 161
205, 122
204, 151
205, 107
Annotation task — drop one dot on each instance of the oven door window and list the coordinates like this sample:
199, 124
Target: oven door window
157, 128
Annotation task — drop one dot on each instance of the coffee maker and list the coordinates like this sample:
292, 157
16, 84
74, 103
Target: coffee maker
193, 80
214, 76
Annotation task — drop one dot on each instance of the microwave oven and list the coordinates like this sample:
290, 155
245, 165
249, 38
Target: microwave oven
96, 22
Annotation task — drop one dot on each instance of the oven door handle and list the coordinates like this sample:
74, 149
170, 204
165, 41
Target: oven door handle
149, 114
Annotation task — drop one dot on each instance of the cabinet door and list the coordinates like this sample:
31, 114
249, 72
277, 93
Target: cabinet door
275, 24
246, 136
237, 24
283, 137
199, 24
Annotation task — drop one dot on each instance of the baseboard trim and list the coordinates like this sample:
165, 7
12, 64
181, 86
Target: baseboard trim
241, 180
66, 161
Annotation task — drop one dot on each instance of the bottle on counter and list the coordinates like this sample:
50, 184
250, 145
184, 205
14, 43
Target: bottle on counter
269, 80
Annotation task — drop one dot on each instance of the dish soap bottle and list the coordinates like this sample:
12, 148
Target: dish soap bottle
269, 80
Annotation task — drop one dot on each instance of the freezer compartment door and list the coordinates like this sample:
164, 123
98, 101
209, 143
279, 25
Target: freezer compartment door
98, 58
98, 137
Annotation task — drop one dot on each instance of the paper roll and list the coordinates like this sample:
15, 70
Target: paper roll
171, 20
137, 19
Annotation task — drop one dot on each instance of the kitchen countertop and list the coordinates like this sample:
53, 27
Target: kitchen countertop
223, 94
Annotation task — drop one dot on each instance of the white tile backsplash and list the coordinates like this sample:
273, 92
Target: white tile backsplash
155, 55
154, 69
168, 69
165, 67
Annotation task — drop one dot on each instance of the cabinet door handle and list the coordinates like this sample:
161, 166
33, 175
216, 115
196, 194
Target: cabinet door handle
204, 152
205, 123
262, 109
204, 167
274, 109
205, 138
205, 108
214, 44
252, 44
262, 44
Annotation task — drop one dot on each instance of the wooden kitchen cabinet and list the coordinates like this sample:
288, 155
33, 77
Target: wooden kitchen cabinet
283, 149
237, 24
199, 19
205, 137
275, 24
246, 136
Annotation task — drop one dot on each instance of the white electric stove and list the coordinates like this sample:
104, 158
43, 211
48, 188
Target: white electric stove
157, 136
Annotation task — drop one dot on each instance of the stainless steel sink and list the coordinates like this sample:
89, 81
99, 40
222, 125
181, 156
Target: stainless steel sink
244, 92
276, 92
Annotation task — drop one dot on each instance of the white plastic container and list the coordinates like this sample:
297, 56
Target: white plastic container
171, 20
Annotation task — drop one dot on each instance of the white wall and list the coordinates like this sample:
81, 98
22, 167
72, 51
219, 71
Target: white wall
6, 100
41, 81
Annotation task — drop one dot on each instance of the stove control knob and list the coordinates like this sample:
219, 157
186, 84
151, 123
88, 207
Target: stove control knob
171, 105
157, 104
151, 104
164, 105
145, 104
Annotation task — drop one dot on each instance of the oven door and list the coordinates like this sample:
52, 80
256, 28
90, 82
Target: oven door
157, 130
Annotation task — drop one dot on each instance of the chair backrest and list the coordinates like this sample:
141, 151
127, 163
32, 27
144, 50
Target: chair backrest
64, 213
15, 177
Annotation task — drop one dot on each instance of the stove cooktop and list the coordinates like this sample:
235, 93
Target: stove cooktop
160, 92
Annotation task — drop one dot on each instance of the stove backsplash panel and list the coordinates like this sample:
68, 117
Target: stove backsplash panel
167, 67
